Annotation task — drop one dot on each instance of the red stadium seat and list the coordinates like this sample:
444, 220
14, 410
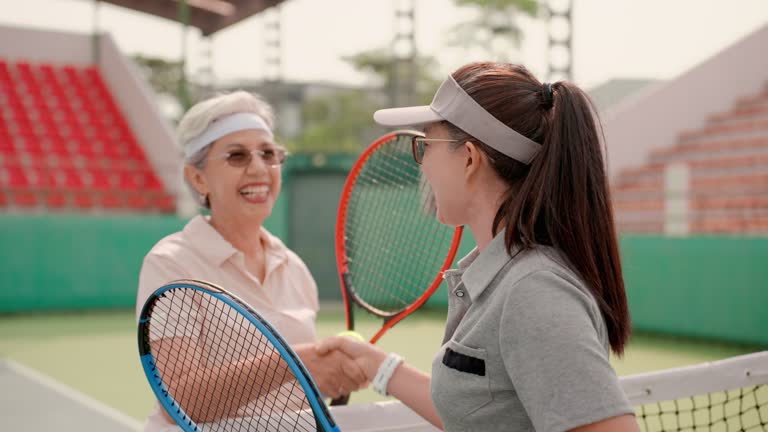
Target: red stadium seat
7, 149
65, 143
69, 179
14, 177
25, 199
111, 201
151, 182
165, 203
59, 149
99, 180
130, 181
56, 200
114, 151
138, 201
41, 178
83, 200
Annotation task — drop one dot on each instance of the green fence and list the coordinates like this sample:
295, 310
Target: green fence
77, 262
710, 287
311, 190
707, 287
73, 261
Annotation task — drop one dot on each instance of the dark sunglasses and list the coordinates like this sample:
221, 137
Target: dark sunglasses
241, 158
418, 145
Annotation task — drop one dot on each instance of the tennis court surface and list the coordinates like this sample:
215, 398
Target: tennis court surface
31, 401
721, 396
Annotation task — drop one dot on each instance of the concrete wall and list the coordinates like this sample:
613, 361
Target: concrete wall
32, 45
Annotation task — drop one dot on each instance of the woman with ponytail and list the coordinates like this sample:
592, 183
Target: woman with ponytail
536, 308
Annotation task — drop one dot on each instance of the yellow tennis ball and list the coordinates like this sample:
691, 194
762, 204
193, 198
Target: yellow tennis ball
353, 334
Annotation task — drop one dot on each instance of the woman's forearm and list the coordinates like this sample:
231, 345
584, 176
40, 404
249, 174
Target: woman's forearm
210, 394
412, 387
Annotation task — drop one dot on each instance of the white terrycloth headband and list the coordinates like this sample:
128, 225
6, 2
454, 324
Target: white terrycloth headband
453, 104
225, 126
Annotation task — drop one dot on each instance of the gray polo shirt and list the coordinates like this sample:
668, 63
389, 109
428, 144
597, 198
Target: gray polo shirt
525, 347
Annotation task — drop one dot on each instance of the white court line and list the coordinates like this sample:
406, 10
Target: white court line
72, 394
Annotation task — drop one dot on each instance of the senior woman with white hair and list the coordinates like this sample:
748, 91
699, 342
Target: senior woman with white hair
233, 167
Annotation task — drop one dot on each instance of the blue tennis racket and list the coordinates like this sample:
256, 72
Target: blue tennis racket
216, 365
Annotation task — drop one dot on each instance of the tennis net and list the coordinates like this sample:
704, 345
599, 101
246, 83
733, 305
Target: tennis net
722, 396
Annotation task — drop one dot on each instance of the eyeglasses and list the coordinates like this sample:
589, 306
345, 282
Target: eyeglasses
242, 158
418, 145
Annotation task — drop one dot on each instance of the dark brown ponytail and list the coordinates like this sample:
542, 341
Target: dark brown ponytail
562, 198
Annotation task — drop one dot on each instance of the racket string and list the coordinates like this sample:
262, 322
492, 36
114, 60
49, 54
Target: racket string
198, 335
394, 245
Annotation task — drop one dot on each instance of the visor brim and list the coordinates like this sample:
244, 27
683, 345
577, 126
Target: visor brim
407, 116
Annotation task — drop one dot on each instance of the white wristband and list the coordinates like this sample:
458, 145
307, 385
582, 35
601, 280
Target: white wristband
385, 372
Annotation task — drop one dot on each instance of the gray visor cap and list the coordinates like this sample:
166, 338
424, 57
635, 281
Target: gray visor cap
451, 103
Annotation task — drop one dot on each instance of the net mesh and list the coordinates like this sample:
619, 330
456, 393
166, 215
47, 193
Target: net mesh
223, 373
735, 401
394, 244
740, 410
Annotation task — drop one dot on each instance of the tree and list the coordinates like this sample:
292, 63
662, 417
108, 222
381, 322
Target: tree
494, 28
341, 122
165, 77
414, 75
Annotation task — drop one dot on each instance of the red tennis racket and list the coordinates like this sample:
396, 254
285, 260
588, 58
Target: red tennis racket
391, 251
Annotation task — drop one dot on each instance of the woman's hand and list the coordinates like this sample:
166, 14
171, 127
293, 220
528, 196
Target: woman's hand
366, 356
335, 373
408, 384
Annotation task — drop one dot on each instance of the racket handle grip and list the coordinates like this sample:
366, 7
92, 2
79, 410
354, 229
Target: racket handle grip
341, 400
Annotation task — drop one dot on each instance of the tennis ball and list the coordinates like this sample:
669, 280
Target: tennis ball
352, 334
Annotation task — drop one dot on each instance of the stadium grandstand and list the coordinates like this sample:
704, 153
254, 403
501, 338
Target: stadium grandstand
701, 164
79, 127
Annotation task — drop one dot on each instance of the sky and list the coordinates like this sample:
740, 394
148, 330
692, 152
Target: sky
650, 39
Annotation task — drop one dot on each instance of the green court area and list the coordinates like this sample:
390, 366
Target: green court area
95, 352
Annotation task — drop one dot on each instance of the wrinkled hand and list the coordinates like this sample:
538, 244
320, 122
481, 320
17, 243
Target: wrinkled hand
335, 373
367, 357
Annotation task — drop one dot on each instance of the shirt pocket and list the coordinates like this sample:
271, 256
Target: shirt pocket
461, 381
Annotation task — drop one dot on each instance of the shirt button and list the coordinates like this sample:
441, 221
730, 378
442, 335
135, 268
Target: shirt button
459, 293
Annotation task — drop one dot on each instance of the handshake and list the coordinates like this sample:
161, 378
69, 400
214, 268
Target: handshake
340, 365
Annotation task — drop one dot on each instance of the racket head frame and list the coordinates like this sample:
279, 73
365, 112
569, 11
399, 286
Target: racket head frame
161, 391
349, 296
